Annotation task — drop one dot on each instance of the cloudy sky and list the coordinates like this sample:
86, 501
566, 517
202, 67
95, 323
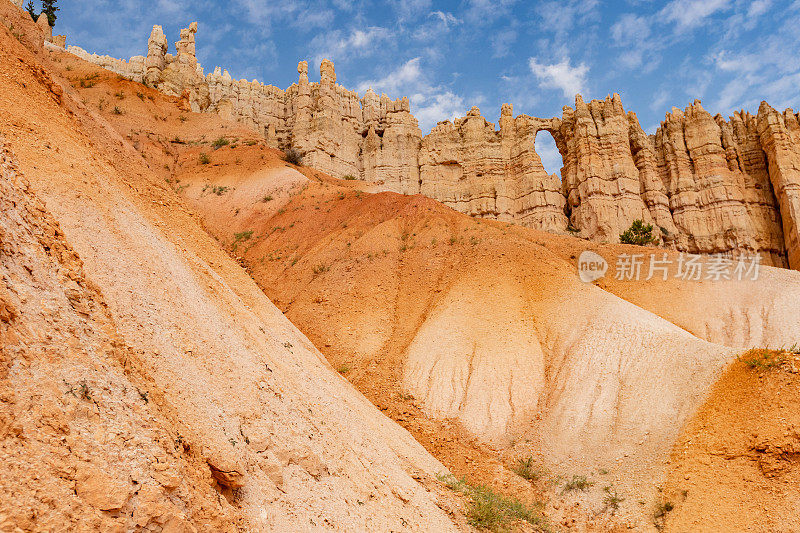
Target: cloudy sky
448, 56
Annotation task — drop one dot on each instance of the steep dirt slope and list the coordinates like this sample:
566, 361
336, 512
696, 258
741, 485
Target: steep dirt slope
288, 442
736, 466
72, 403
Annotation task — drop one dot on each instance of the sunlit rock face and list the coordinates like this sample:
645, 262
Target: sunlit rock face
707, 184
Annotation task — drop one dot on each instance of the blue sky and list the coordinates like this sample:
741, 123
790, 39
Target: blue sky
448, 56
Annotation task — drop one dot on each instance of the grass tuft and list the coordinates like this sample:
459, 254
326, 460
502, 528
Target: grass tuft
219, 143
763, 359
526, 469
494, 512
578, 483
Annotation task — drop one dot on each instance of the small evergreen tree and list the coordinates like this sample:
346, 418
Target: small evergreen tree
49, 8
639, 233
31, 9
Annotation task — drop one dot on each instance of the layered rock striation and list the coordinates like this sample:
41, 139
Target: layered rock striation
710, 185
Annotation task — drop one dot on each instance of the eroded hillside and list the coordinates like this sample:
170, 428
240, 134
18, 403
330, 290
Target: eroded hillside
211, 408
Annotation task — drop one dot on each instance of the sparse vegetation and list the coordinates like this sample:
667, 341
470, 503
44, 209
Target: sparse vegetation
292, 156
89, 81
250, 143
117, 110
660, 514
344, 368
349, 177
526, 469
763, 359
639, 233
320, 269
219, 143
267, 198
80, 391
578, 483
494, 512
204, 159
612, 500
119, 95
140, 95
243, 236
145, 396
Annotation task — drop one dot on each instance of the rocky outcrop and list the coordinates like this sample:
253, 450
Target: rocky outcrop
710, 185
780, 139
474, 168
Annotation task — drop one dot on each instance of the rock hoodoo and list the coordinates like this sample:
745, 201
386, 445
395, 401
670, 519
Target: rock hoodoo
710, 185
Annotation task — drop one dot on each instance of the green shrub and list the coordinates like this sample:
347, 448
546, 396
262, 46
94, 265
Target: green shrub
219, 143
660, 514
494, 512
763, 359
639, 233
612, 500
292, 156
526, 469
349, 177
243, 236
578, 483
204, 159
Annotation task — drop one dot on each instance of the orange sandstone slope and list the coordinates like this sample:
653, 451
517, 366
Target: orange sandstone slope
736, 466
186, 399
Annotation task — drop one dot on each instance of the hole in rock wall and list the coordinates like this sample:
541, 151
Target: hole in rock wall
545, 146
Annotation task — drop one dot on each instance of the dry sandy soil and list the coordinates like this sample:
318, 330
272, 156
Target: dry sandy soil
475, 336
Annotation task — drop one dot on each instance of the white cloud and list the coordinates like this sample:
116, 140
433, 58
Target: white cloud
304, 15
630, 29
570, 80
561, 16
481, 12
758, 8
338, 45
501, 43
410, 9
448, 19
689, 14
737, 62
429, 103
438, 25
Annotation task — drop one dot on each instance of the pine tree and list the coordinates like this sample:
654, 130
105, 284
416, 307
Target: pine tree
31, 9
49, 8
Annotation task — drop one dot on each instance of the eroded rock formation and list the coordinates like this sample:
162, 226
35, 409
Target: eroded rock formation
710, 185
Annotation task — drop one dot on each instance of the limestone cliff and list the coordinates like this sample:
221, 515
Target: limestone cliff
710, 185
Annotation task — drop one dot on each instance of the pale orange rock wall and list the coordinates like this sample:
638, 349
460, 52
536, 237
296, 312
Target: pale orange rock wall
708, 184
